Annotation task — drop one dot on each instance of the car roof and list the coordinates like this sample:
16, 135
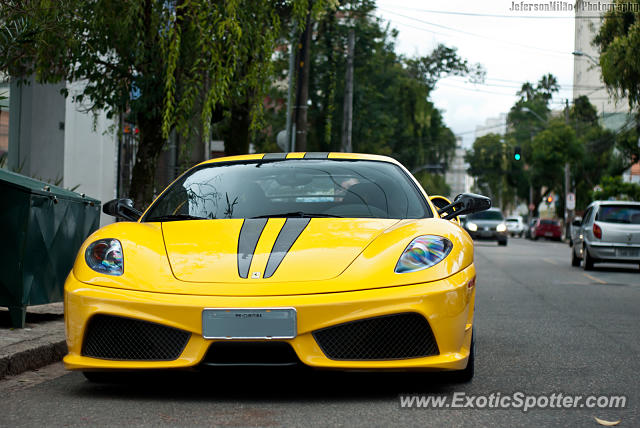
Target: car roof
615, 203
303, 155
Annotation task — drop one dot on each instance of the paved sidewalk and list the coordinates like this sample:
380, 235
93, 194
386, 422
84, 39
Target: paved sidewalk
40, 343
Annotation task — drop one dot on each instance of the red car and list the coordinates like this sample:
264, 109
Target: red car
547, 228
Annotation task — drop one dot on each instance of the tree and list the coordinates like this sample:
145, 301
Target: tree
619, 42
488, 163
163, 63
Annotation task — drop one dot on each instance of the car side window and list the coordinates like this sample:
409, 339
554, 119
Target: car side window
587, 215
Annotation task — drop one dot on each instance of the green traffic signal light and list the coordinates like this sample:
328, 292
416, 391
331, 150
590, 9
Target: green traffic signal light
517, 153
516, 156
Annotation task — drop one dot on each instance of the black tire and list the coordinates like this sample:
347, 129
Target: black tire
575, 261
466, 375
99, 377
502, 242
587, 259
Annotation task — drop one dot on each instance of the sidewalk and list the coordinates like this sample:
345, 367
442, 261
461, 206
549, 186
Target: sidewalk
40, 343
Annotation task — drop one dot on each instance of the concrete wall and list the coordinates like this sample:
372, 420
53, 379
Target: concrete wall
90, 152
39, 139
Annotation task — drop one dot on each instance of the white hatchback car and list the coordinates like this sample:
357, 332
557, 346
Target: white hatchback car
609, 232
515, 226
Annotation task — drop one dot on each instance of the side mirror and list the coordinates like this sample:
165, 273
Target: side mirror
441, 202
463, 204
121, 208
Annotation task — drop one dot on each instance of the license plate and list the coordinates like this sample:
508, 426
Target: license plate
548, 234
628, 252
238, 323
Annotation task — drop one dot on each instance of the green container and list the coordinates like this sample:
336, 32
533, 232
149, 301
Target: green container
41, 229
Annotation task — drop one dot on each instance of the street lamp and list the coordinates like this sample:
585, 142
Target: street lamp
589, 57
528, 110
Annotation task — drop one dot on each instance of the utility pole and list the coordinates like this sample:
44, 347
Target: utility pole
291, 142
347, 120
566, 179
303, 86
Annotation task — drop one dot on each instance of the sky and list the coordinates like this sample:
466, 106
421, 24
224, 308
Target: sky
513, 46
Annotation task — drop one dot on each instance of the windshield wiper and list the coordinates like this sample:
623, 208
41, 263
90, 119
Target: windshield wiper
300, 214
175, 217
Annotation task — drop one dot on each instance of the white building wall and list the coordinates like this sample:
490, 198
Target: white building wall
90, 152
587, 77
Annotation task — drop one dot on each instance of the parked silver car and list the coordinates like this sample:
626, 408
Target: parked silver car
609, 232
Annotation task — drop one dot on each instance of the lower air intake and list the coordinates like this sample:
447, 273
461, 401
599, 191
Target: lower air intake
260, 353
117, 338
388, 337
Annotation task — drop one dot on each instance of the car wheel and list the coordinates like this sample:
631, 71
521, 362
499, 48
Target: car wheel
98, 377
575, 261
588, 260
502, 242
535, 237
466, 374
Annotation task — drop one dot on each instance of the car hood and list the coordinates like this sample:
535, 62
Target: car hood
275, 249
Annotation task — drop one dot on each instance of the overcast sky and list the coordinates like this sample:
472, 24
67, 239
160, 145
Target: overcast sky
513, 46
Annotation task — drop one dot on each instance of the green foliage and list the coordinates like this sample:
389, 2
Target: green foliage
433, 184
615, 188
488, 163
619, 44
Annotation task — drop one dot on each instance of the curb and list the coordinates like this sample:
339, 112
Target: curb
37, 355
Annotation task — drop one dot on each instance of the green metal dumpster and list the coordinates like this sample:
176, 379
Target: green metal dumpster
41, 229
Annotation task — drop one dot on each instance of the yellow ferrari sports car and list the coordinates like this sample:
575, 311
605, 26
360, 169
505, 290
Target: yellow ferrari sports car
329, 260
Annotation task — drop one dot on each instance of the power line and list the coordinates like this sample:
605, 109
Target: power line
473, 34
490, 15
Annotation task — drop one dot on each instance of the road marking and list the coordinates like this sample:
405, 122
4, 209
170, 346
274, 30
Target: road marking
550, 261
594, 278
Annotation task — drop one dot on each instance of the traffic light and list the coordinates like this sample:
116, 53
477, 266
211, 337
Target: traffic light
549, 199
516, 153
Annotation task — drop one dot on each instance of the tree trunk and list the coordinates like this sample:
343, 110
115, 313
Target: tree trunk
236, 137
303, 87
144, 171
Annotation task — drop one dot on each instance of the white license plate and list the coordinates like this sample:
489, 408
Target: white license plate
249, 323
628, 252
548, 234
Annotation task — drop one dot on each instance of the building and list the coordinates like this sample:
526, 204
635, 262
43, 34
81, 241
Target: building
49, 137
587, 77
456, 176
492, 125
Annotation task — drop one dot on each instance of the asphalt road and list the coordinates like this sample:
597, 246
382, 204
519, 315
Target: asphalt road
542, 327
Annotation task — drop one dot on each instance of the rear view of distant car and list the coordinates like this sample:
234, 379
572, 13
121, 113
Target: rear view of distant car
515, 226
547, 228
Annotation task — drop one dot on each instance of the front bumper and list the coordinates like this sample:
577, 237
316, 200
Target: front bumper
491, 235
446, 304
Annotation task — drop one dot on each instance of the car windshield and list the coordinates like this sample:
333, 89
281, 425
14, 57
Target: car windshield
629, 214
549, 222
291, 188
486, 215
512, 220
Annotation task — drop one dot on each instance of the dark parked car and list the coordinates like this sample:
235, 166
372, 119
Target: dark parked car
531, 224
547, 228
488, 224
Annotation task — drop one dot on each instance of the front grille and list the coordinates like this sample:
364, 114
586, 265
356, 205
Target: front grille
116, 338
389, 337
250, 353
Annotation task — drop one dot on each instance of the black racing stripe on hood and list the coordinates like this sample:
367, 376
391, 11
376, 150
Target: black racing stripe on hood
247, 241
292, 228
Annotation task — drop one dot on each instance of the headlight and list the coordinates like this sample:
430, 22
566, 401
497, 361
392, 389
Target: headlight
501, 227
472, 226
423, 252
105, 256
